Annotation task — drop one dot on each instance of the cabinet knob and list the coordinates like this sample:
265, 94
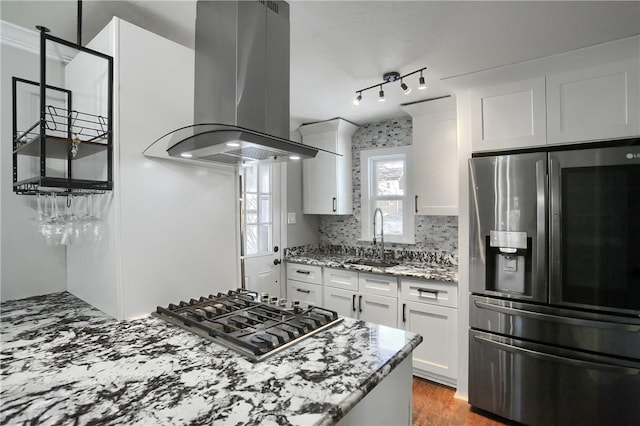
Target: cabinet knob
277, 262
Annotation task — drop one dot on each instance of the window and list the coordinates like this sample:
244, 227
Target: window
387, 185
256, 209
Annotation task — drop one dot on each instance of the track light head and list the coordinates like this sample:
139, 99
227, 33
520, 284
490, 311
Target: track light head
406, 88
381, 94
422, 84
358, 99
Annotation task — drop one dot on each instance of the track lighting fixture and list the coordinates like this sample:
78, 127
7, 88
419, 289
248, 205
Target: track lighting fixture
390, 77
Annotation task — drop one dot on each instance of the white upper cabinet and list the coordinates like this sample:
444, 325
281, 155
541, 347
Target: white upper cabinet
435, 174
509, 116
599, 102
585, 95
326, 179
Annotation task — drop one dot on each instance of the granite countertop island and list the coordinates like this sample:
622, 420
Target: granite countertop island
65, 362
430, 269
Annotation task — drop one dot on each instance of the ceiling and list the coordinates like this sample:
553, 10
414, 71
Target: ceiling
339, 47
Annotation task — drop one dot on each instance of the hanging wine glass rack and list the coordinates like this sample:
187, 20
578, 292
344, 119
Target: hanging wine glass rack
66, 151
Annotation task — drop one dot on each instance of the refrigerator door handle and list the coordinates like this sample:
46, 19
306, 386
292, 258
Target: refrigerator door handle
555, 273
548, 356
541, 225
558, 318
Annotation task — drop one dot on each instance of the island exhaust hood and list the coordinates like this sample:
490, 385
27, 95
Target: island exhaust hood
241, 88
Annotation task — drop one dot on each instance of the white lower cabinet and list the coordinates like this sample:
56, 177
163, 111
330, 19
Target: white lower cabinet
340, 300
306, 293
378, 309
364, 301
304, 283
429, 308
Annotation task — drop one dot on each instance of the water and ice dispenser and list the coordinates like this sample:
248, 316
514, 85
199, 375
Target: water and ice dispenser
509, 262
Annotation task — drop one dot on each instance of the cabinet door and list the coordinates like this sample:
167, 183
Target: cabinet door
307, 294
437, 355
509, 116
435, 153
600, 102
340, 300
378, 309
319, 174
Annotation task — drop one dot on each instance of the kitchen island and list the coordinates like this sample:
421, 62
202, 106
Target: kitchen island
63, 361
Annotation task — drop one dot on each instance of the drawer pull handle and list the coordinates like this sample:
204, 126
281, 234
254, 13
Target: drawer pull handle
404, 314
303, 291
303, 272
424, 292
359, 303
353, 303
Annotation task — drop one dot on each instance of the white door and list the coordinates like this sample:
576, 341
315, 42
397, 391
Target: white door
438, 324
261, 228
378, 309
340, 300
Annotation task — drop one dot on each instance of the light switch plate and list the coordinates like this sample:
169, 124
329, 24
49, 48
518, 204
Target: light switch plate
291, 218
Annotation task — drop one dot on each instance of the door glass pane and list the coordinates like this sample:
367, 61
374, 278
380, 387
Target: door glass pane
600, 232
265, 178
250, 179
389, 177
251, 239
265, 209
257, 209
392, 217
265, 238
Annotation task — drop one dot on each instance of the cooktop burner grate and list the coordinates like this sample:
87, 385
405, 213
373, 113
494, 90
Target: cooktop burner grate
237, 320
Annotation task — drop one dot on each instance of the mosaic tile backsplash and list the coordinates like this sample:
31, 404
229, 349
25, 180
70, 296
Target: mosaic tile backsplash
433, 233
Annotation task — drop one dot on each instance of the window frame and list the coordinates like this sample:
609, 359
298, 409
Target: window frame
367, 159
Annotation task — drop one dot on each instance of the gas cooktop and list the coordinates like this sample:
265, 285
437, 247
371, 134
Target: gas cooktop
238, 320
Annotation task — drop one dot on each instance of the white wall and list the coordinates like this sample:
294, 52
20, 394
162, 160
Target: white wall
305, 230
27, 266
172, 226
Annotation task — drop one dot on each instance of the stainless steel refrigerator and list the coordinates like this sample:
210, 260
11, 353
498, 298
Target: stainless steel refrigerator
555, 286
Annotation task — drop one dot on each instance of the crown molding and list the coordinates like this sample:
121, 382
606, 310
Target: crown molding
29, 40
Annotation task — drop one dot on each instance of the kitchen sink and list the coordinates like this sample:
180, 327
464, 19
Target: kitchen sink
374, 263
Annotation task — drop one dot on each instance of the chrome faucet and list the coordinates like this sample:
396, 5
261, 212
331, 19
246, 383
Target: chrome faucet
375, 213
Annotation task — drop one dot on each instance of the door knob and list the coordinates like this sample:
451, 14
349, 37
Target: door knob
277, 262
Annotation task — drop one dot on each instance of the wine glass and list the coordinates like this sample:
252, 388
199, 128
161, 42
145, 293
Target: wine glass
74, 233
54, 230
41, 215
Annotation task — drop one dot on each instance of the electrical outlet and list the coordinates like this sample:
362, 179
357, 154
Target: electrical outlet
291, 218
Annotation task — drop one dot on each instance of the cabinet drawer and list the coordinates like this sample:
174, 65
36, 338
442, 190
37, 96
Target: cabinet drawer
305, 273
307, 294
433, 292
378, 284
340, 278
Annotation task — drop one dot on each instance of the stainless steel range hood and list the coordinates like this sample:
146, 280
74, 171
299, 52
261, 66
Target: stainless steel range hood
241, 87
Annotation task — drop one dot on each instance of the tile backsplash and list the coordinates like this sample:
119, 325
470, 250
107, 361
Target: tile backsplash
433, 233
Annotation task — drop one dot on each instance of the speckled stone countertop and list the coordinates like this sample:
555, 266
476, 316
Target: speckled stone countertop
423, 270
65, 362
